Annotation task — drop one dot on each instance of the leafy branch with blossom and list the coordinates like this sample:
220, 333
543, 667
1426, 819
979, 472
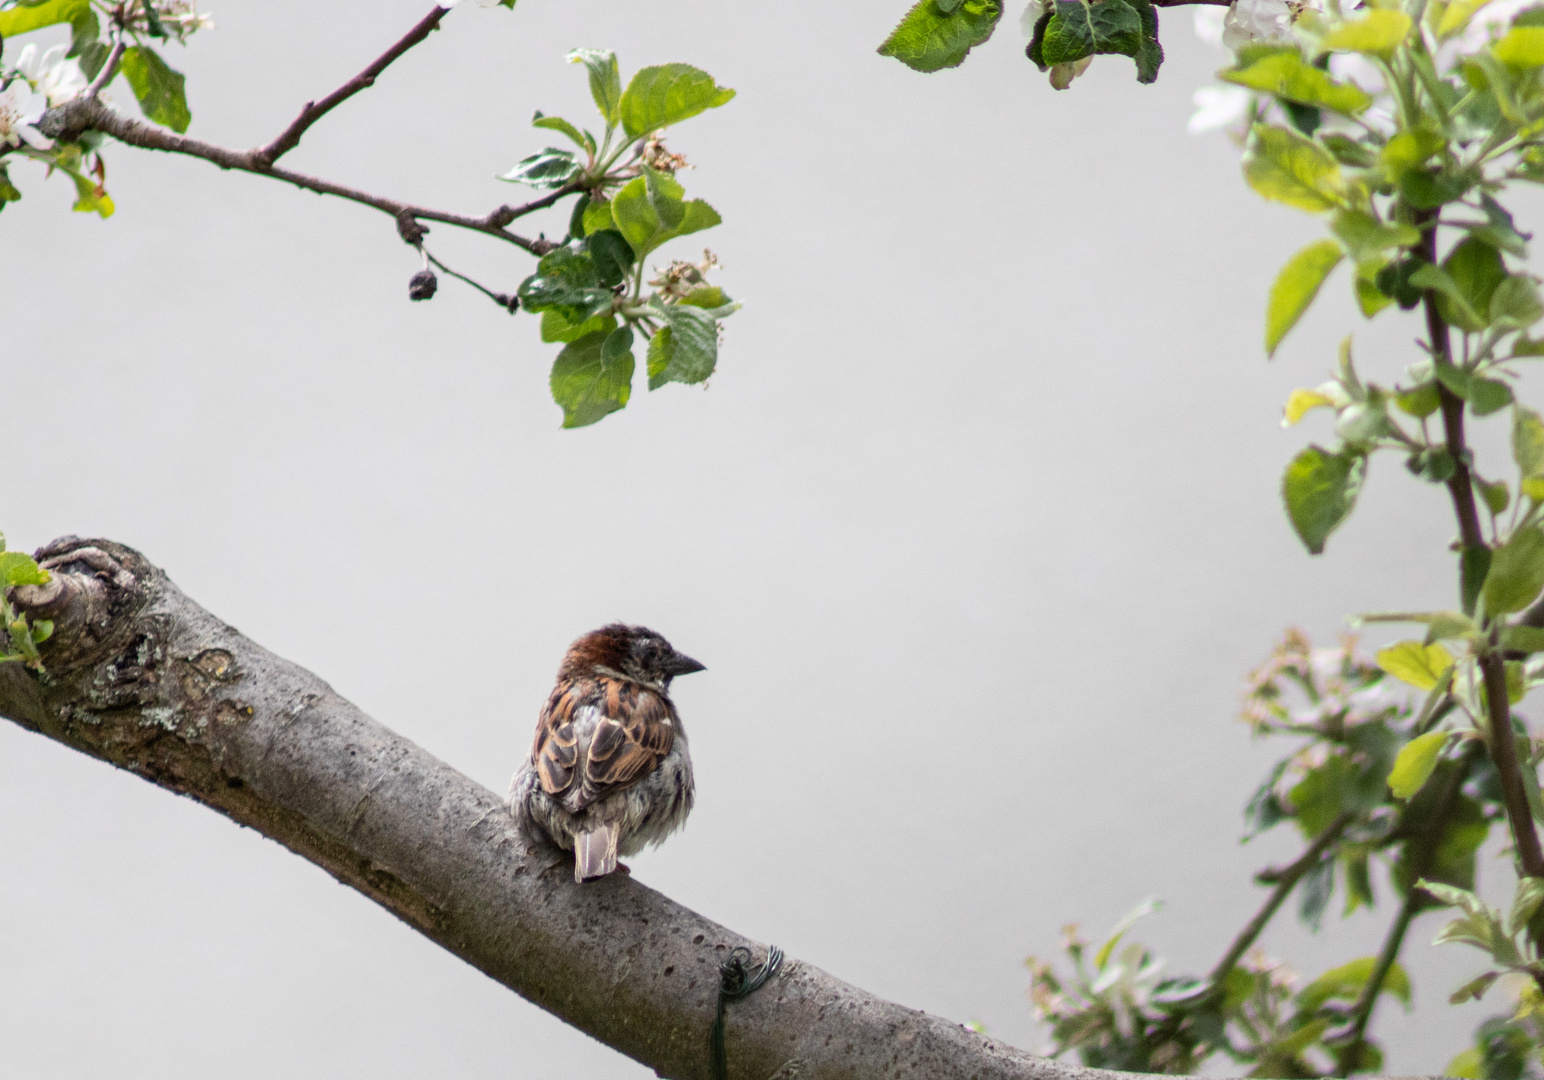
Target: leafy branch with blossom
1403, 125
591, 288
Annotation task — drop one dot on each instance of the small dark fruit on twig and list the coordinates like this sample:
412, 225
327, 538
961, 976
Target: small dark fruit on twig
422, 286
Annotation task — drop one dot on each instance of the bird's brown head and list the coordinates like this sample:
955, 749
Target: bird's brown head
634, 652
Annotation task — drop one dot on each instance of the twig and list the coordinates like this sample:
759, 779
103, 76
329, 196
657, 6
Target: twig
1286, 879
504, 300
88, 113
70, 119
1503, 750
109, 69
313, 111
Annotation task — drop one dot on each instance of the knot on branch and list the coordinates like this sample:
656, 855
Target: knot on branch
93, 585
410, 229
67, 122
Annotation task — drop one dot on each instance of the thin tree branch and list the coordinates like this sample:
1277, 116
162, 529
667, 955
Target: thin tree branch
313, 111
509, 303
1503, 748
1286, 879
109, 69
82, 114
1430, 840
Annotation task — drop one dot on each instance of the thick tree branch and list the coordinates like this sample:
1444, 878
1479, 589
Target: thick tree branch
141, 677
315, 110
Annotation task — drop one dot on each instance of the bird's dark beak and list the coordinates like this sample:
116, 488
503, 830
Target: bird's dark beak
681, 664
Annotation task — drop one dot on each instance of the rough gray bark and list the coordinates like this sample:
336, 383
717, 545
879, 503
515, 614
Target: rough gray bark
140, 676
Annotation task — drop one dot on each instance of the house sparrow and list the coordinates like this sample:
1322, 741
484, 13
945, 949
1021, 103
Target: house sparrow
609, 771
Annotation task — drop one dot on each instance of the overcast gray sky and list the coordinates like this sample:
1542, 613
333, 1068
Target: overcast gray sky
976, 527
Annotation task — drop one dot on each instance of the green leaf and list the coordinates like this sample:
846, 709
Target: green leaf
1078, 29
1515, 303
584, 139
1421, 666
1426, 190
1528, 441
1516, 690
1320, 796
1364, 235
1300, 403
1474, 989
566, 279
29, 17
1463, 831
1409, 150
1488, 396
1358, 880
1450, 298
1521, 47
1314, 892
1295, 288
605, 81
556, 327
1414, 765
1286, 167
8, 193
1468, 1064
643, 209
1378, 33
1473, 568
17, 568
1348, 151
1320, 490
1499, 230
930, 39
1526, 899
612, 255
706, 296
685, 350
158, 88
1476, 268
1421, 401
593, 376
597, 217
1524, 639
1516, 573
1346, 982
551, 168
1285, 74
1290, 1046
660, 96
1394, 281
1369, 298
1456, 16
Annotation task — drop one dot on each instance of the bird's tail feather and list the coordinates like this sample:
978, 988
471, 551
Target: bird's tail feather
595, 853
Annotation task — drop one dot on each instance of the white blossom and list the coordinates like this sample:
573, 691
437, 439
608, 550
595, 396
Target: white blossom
20, 108
54, 76
1218, 107
1257, 20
